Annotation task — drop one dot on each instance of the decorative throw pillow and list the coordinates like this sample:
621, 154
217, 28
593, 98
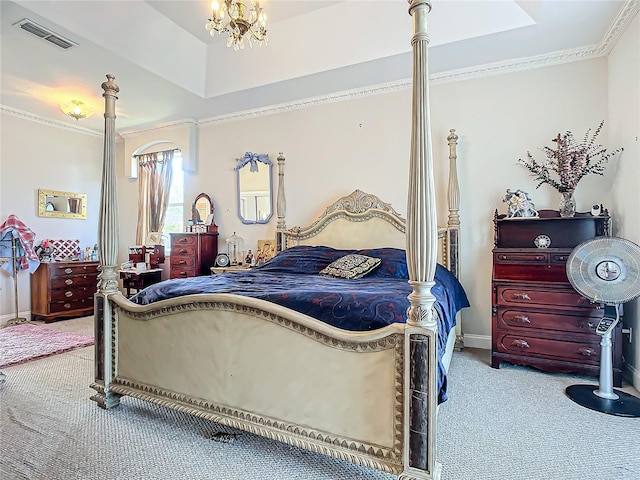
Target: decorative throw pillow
351, 266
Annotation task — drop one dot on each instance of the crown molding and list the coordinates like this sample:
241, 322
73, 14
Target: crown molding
47, 121
609, 40
186, 122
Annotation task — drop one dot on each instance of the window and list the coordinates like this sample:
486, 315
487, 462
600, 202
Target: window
174, 219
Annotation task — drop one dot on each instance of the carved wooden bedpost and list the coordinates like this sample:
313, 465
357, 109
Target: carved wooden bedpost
108, 251
422, 248
281, 207
453, 222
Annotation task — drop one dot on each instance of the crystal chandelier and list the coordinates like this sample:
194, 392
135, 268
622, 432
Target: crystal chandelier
231, 17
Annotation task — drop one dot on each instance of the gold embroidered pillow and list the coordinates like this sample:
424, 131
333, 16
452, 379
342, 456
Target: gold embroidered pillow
351, 266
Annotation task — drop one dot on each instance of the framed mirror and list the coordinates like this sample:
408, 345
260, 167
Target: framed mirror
202, 210
53, 203
255, 188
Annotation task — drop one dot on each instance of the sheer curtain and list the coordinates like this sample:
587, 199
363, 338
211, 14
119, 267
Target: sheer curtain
155, 174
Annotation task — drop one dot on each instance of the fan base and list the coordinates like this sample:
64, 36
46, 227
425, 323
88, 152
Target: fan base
625, 406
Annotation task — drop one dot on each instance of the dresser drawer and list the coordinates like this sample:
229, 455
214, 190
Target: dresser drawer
182, 262
528, 295
582, 352
521, 257
74, 281
183, 251
584, 321
72, 269
77, 293
183, 272
178, 240
71, 305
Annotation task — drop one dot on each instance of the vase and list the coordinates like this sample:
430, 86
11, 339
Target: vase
567, 205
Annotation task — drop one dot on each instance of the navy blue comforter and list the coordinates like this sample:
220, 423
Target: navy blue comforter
291, 279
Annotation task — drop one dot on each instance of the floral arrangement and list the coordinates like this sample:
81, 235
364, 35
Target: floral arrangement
570, 161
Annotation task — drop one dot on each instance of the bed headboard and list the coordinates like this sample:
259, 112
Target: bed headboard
356, 221
359, 220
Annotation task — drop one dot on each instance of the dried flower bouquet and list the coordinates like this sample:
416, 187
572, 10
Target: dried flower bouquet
569, 161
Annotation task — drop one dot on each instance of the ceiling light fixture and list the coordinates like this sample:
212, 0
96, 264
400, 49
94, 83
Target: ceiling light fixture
231, 17
75, 109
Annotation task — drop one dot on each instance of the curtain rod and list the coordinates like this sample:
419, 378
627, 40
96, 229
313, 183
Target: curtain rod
160, 151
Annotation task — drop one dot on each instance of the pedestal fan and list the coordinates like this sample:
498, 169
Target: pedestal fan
606, 270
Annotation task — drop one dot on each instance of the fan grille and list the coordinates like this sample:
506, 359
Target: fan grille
605, 270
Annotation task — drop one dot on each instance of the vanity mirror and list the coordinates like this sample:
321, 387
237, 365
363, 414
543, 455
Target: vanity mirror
255, 192
53, 203
202, 214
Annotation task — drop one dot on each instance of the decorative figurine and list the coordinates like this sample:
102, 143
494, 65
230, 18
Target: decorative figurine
520, 204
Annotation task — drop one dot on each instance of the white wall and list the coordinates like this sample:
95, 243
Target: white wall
335, 148
34, 156
624, 115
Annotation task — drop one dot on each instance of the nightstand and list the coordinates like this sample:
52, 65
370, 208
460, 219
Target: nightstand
230, 269
139, 280
538, 319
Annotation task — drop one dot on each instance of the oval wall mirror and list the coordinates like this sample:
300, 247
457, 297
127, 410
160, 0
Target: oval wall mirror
201, 209
255, 192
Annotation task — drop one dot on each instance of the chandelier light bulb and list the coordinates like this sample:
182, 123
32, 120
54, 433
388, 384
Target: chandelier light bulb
75, 109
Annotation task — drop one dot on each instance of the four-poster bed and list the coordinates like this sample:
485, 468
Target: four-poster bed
369, 397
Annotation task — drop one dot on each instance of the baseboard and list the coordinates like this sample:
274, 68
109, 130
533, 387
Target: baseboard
9, 316
633, 375
477, 341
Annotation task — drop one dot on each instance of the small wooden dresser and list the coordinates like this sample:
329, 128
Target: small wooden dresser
192, 254
63, 289
538, 318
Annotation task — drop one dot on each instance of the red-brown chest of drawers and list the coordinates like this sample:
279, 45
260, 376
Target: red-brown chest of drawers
63, 289
192, 254
538, 319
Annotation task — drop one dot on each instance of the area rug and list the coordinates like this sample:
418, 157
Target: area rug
22, 343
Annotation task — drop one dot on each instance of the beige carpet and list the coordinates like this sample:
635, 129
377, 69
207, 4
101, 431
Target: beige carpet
509, 424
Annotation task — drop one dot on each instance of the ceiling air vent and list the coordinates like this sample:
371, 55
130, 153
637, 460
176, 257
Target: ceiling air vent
45, 34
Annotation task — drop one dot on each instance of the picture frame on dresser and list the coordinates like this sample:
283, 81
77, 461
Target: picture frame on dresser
538, 319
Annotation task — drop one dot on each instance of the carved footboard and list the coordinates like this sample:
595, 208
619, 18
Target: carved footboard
262, 368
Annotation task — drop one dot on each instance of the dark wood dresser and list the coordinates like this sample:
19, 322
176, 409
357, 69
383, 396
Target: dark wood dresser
63, 290
538, 318
192, 254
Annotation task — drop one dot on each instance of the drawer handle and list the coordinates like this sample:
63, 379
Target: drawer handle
562, 259
182, 262
67, 305
520, 344
586, 351
502, 257
68, 281
182, 240
587, 325
68, 270
539, 257
183, 251
521, 319
68, 294
521, 296
183, 274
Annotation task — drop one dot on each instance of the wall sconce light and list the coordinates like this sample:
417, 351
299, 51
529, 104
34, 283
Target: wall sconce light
75, 109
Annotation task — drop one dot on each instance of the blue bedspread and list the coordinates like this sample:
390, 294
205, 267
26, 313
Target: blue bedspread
291, 279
